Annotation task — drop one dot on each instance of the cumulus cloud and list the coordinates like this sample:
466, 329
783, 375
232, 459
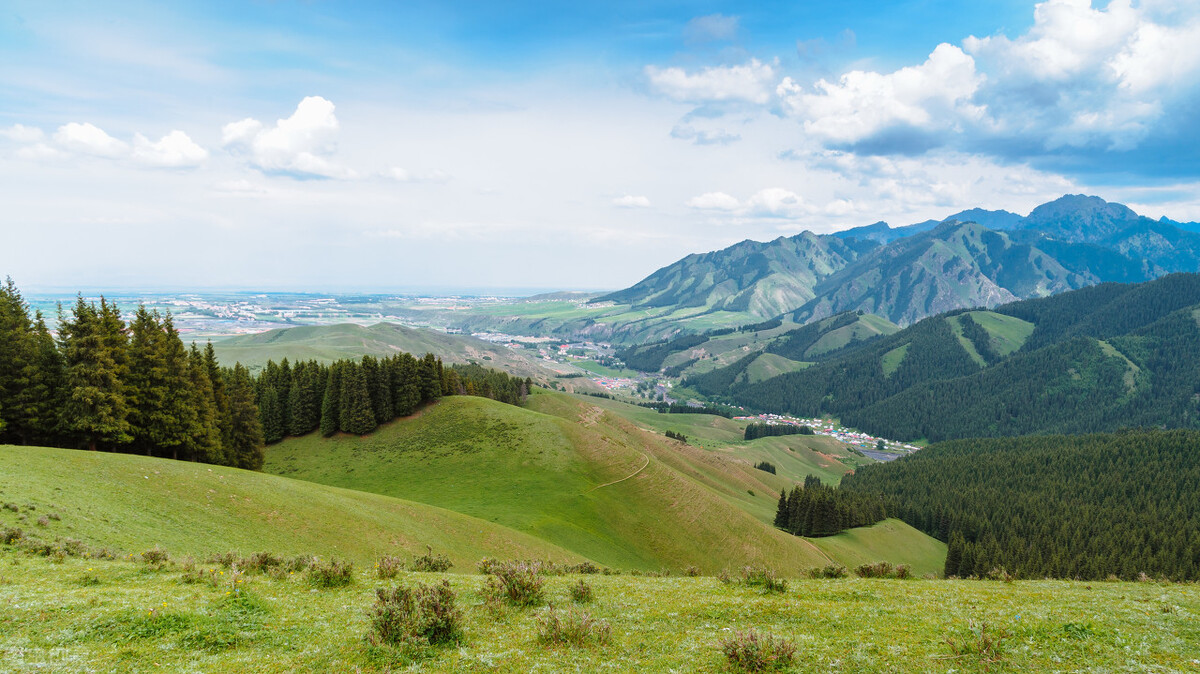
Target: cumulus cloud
751, 83
631, 201
23, 134
702, 136
174, 150
87, 138
776, 202
924, 100
714, 201
301, 145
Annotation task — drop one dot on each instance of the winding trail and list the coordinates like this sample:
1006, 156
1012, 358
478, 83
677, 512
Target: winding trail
633, 474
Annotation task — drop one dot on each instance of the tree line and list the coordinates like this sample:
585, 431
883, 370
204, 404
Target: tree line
1086, 507
754, 431
817, 510
134, 387
104, 384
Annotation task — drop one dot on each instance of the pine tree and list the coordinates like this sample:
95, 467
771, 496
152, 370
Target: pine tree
93, 412
356, 415
16, 346
246, 438
220, 399
44, 377
206, 436
781, 511
270, 415
953, 555
146, 383
330, 406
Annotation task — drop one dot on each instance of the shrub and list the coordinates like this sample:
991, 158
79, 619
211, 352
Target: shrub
753, 652
691, 572
55, 516
331, 574
517, 583
389, 566
876, 570
981, 643
431, 563
584, 568
406, 617
197, 576
226, 559
903, 571
764, 578
574, 628
43, 521
261, 562
12, 506
155, 557
11, 535
299, 563
765, 466
828, 571
581, 593
999, 573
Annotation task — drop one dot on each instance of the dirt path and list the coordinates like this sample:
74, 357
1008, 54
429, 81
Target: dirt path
633, 474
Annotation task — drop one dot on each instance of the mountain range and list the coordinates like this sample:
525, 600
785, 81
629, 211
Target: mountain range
974, 258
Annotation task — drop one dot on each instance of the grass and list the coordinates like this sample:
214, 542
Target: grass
134, 503
555, 472
1008, 332
327, 343
884, 541
134, 620
772, 365
967, 345
893, 358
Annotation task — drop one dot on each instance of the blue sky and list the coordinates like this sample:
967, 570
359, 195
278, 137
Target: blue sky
375, 145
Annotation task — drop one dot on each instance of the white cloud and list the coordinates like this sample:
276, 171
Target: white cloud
174, 150
241, 132
39, 151
714, 201
933, 97
87, 138
631, 201
301, 144
405, 176
23, 134
710, 28
776, 202
750, 83
703, 136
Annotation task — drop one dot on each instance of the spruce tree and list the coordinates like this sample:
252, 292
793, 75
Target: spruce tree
270, 415
220, 399
246, 437
93, 414
146, 382
44, 377
16, 354
206, 436
356, 415
331, 417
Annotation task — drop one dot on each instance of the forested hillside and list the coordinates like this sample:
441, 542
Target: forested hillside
1096, 359
1066, 507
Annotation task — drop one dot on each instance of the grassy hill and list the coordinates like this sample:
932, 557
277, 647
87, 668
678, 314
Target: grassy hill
133, 503
327, 343
572, 473
87, 615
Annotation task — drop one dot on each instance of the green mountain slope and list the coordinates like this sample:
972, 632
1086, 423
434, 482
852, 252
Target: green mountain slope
132, 503
327, 343
568, 472
1095, 359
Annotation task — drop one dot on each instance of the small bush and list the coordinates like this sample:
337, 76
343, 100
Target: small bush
405, 617
432, 563
765, 466
876, 570
299, 563
903, 571
12, 506
517, 583
753, 652
584, 567
11, 535
981, 643
691, 572
155, 557
764, 578
999, 573
197, 576
225, 559
725, 577
389, 567
331, 574
43, 521
828, 571
581, 593
261, 562
55, 516
571, 628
